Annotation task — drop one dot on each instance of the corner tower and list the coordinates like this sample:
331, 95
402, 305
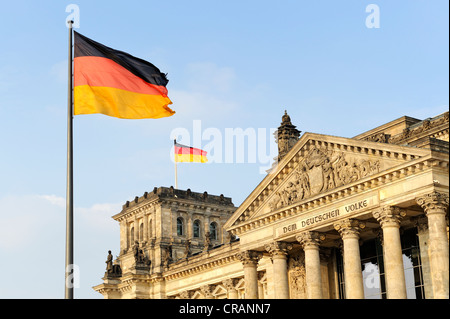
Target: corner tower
158, 230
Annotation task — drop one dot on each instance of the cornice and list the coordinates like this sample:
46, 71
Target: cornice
405, 120
193, 204
413, 129
194, 266
128, 212
141, 205
106, 288
432, 127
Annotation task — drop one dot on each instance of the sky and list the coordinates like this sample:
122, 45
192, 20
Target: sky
233, 66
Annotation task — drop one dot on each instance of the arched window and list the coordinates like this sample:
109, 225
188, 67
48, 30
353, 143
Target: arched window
141, 232
196, 229
213, 230
180, 226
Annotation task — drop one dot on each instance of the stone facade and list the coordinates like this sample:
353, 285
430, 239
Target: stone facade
362, 217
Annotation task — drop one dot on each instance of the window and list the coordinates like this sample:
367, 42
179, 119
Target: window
372, 266
340, 273
141, 232
213, 230
196, 229
412, 264
180, 226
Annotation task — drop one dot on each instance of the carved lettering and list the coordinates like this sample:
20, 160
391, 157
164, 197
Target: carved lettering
319, 218
356, 206
289, 228
328, 216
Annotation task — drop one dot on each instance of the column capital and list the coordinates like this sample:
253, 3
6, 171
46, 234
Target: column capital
278, 249
249, 257
389, 216
207, 290
186, 294
310, 239
230, 284
434, 202
349, 228
421, 222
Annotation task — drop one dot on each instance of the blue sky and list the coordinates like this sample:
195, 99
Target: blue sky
231, 64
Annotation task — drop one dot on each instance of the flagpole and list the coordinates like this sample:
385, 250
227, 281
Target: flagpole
175, 160
69, 189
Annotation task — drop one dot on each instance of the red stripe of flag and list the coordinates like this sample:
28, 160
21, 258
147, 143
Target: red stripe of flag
182, 149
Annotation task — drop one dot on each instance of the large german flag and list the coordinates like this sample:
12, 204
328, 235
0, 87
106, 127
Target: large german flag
185, 153
116, 83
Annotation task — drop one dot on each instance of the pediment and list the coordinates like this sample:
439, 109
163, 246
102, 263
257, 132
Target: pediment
318, 164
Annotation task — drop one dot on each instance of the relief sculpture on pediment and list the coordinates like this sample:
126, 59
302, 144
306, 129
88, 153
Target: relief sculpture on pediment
321, 170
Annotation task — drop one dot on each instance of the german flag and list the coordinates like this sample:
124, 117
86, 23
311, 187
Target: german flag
185, 153
116, 83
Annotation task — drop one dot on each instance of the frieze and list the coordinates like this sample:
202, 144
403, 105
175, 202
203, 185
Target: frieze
426, 126
333, 214
378, 137
320, 171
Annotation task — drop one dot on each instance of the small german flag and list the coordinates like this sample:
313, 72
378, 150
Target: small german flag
185, 153
116, 83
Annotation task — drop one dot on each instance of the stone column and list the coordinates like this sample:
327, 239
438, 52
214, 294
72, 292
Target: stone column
250, 260
158, 285
446, 220
145, 221
349, 230
136, 230
310, 242
279, 251
185, 294
333, 277
422, 234
207, 291
189, 226
205, 224
324, 260
389, 218
123, 236
230, 285
435, 205
260, 285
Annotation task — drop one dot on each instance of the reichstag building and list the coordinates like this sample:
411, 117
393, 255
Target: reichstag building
337, 218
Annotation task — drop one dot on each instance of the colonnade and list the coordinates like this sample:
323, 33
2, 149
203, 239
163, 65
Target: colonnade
434, 205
